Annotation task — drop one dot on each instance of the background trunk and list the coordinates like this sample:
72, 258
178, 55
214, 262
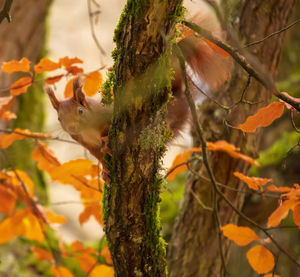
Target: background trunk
25, 37
194, 250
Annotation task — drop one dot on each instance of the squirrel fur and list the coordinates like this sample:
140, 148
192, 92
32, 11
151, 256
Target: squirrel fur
87, 120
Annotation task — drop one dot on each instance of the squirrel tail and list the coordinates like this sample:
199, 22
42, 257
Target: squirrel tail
206, 68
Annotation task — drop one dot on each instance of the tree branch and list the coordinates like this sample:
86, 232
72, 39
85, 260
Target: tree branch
4, 13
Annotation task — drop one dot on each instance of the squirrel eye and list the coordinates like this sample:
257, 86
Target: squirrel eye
80, 111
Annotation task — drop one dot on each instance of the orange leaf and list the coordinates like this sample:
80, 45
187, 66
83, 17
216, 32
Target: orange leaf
18, 134
230, 149
15, 66
78, 246
8, 200
176, 168
264, 117
8, 115
60, 271
5, 104
261, 259
185, 34
54, 218
69, 88
103, 271
92, 209
92, 83
252, 182
216, 48
74, 70
296, 214
281, 212
278, 189
41, 254
271, 275
240, 235
67, 62
87, 262
18, 176
20, 86
45, 157
106, 254
46, 64
54, 79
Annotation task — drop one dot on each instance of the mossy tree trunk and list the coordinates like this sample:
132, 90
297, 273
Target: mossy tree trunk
25, 37
137, 136
194, 249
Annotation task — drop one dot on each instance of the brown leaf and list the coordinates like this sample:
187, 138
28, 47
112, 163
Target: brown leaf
54, 79
264, 117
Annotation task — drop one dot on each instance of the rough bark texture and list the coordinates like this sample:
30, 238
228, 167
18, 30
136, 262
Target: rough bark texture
194, 250
141, 88
24, 37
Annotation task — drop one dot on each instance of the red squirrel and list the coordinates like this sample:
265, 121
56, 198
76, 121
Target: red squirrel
87, 120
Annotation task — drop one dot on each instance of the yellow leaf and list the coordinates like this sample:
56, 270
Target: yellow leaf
261, 259
20, 86
240, 235
15, 66
7, 199
264, 117
92, 83
54, 218
103, 271
252, 182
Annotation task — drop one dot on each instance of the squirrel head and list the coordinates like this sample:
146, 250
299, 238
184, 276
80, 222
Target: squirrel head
74, 113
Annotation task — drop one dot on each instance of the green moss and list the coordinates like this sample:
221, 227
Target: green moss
108, 87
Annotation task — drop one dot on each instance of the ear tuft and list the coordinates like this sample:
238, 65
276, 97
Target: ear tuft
78, 95
54, 101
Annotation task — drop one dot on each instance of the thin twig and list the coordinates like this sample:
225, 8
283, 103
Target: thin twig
272, 34
4, 13
93, 28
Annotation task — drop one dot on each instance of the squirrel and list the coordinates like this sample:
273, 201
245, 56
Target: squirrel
87, 120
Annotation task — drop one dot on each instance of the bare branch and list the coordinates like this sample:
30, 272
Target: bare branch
4, 13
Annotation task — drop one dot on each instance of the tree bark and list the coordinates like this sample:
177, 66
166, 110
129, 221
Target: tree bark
138, 132
194, 249
25, 37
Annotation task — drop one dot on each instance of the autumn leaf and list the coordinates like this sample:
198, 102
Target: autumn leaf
230, 149
216, 48
106, 254
92, 83
103, 271
176, 168
75, 70
45, 157
20, 86
67, 62
60, 271
264, 117
69, 88
296, 214
5, 106
22, 223
185, 34
16, 66
8, 115
7, 199
18, 134
77, 246
41, 254
18, 176
240, 235
54, 79
261, 259
54, 218
278, 189
271, 275
46, 64
252, 182
91, 209
281, 212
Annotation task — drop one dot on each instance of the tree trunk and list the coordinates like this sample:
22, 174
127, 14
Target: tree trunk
25, 37
194, 249
142, 86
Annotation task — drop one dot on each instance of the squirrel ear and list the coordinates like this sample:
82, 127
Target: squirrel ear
55, 102
78, 94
